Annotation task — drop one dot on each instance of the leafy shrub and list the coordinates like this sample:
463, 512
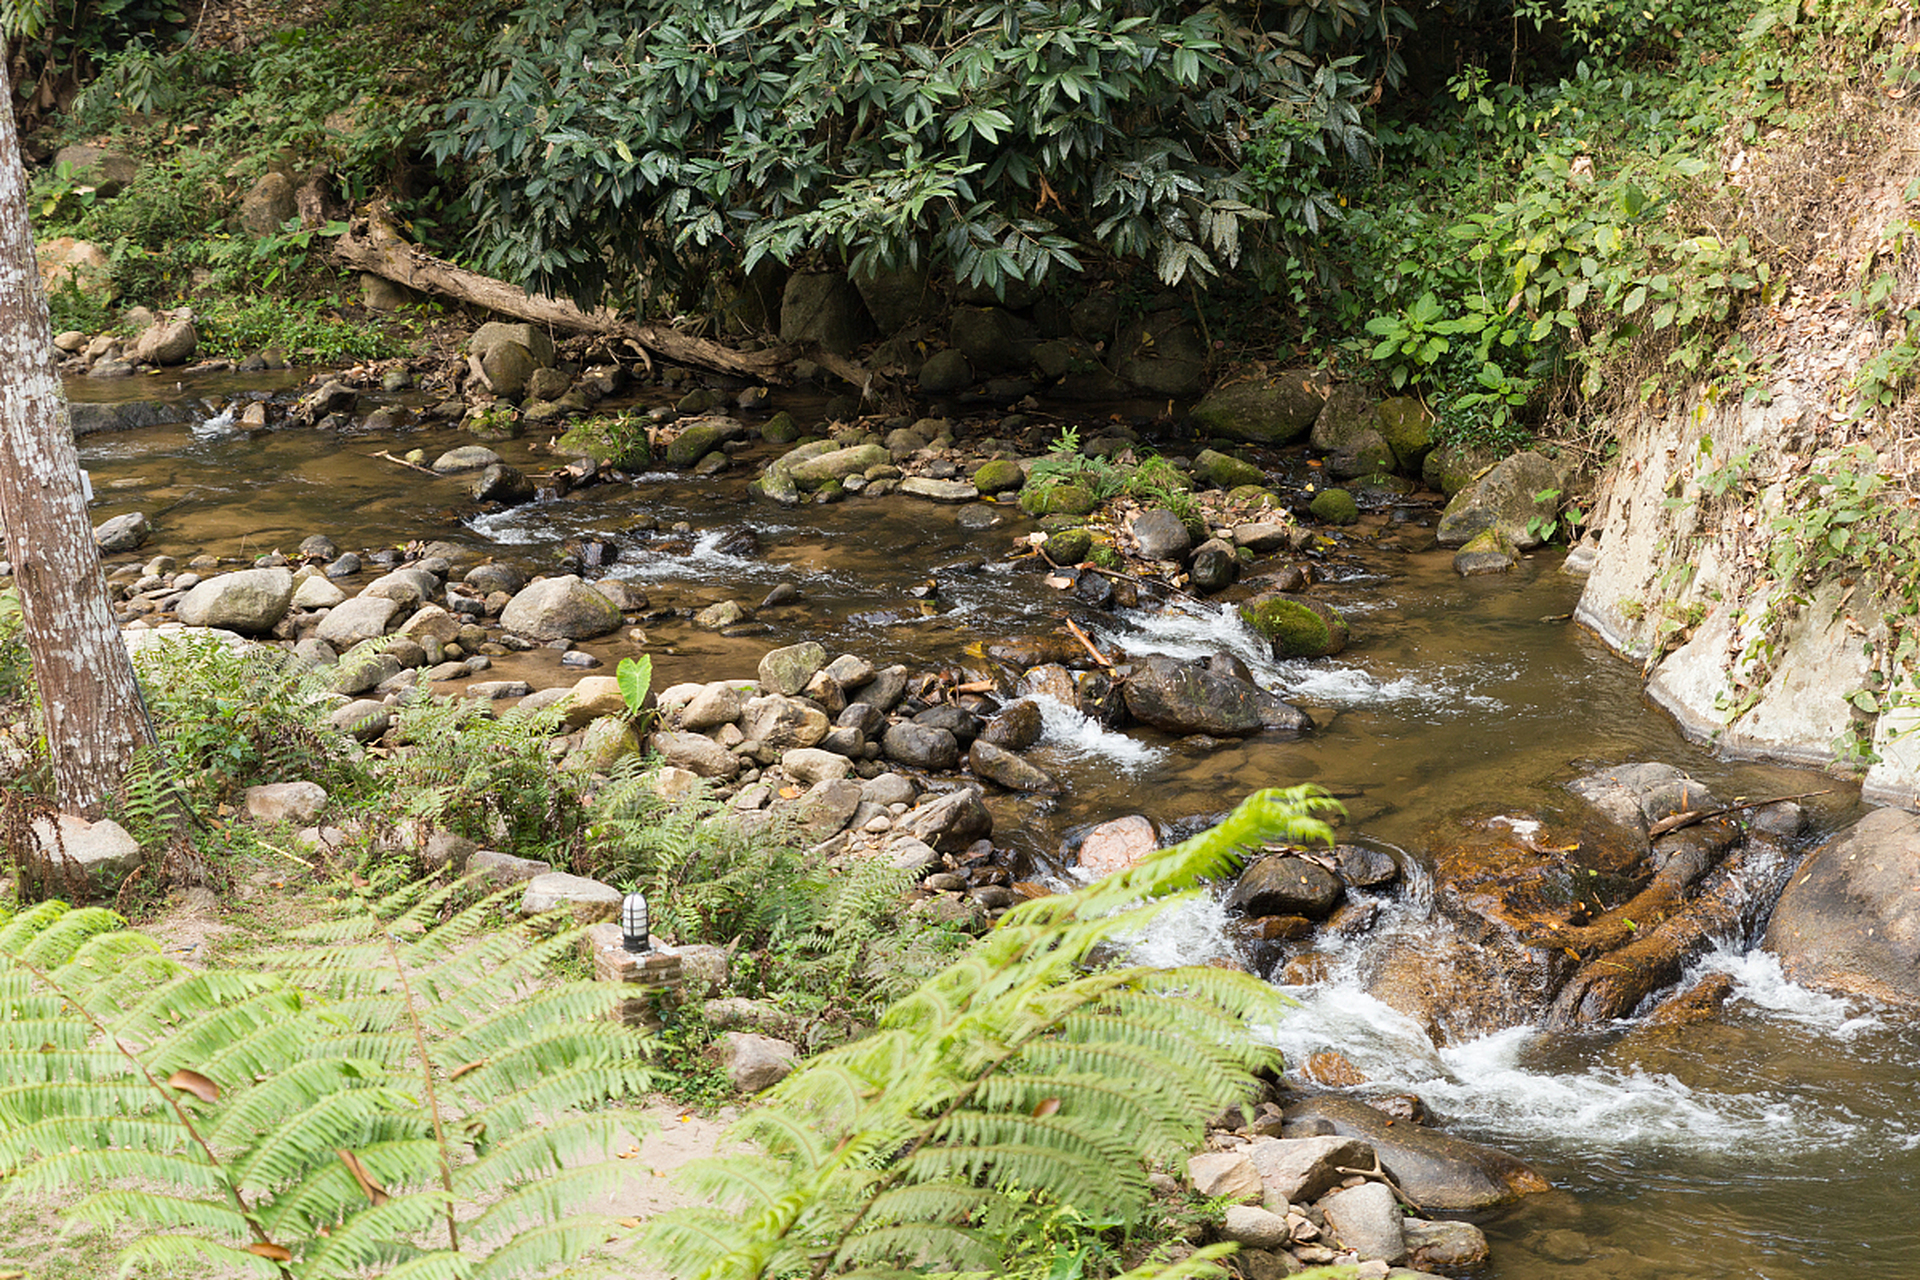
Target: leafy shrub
310, 331
1004, 139
491, 779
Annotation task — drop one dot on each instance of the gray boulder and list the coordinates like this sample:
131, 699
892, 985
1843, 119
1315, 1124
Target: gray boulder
1366, 1219
1161, 535
1508, 499
920, 746
497, 333
251, 601
823, 307
1163, 353
949, 823
697, 753
787, 671
1183, 697
166, 342
268, 204
587, 900
1849, 920
1008, 770
780, 723
946, 372
837, 465
1348, 412
358, 619
96, 855
123, 533
296, 802
562, 608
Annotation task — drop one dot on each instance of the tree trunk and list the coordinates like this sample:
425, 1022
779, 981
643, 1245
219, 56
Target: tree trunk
94, 717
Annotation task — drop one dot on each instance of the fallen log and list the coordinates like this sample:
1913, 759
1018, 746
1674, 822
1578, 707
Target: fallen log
373, 243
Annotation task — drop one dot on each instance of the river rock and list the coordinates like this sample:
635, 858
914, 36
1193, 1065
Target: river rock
701, 437
1008, 770
1285, 886
618, 442
1366, 1220
950, 822
920, 746
1296, 626
1407, 423
410, 587
1225, 1175
718, 703
695, 752
781, 723
503, 484
1277, 411
1486, 552
1015, 727
1438, 1172
560, 608
315, 592
1507, 499
1214, 566
606, 742
837, 465
1452, 1248
1301, 1170
123, 533
1255, 1227
363, 719
941, 491
358, 619
1849, 920
251, 601
811, 765
787, 671
168, 342
1182, 697
1334, 506
1635, 796
1348, 413
826, 808
1117, 845
1225, 471
1161, 535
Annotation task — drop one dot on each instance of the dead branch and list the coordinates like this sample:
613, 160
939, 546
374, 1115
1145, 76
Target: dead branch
1691, 816
374, 243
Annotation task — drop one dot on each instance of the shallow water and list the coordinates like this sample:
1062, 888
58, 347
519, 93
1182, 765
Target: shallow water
1782, 1142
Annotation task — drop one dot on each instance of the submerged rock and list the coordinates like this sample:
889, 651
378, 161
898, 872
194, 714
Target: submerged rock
1437, 1171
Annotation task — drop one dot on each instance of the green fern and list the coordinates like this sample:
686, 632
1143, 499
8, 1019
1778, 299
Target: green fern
401, 1095
487, 777
1019, 1079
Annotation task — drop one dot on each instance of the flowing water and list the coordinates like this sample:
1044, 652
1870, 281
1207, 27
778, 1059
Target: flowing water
1781, 1141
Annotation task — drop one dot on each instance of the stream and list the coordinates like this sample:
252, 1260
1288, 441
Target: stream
1780, 1141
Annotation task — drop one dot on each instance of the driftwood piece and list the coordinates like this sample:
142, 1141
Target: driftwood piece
375, 244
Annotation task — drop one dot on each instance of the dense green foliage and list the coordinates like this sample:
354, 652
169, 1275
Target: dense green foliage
1002, 139
1023, 1078
392, 1095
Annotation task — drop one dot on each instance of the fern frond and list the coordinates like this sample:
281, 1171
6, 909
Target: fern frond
194, 1255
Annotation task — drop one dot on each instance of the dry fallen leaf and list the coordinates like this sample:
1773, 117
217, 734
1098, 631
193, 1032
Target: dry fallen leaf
266, 1249
368, 1187
194, 1083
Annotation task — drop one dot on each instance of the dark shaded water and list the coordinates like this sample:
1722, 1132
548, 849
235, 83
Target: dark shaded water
1780, 1143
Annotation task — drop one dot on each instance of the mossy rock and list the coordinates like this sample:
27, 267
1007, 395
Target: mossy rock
1452, 467
1057, 499
780, 429
1103, 555
695, 443
999, 476
697, 401
1225, 471
1297, 628
617, 442
1334, 506
497, 422
1407, 424
1068, 546
1279, 411
1486, 552
1253, 495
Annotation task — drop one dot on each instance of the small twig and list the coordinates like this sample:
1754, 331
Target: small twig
1676, 821
1379, 1171
402, 462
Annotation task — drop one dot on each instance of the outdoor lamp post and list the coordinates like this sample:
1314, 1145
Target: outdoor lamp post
634, 935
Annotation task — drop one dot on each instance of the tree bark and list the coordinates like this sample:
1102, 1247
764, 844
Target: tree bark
377, 246
94, 717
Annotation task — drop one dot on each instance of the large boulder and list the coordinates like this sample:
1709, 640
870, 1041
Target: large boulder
1407, 424
108, 172
779, 723
358, 619
837, 465
123, 533
948, 823
562, 608
67, 263
167, 341
1517, 497
1184, 697
85, 859
1849, 920
496, 333
268, 204
1162, 353
1285, 886
1436, 1171
1348, 413
1276, 411
251, 601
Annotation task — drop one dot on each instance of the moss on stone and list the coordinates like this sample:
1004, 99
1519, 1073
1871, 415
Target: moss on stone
1057, 499
1334, 506
619, 442
999, 476
1296, 628
780, 429
1068, 546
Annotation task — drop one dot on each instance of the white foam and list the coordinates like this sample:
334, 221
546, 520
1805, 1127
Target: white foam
1191, 933
1066, 731
703, 560
221, 424
513, 527
1761, 982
